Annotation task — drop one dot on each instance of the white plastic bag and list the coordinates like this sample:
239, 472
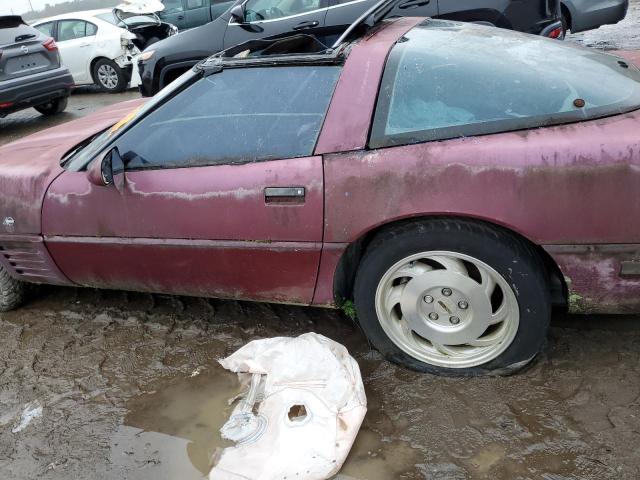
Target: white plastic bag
301, 415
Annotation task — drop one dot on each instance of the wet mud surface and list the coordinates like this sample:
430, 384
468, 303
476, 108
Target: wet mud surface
115, 385
130, 389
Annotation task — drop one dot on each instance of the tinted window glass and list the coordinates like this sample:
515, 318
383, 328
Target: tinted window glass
236, 116
91, 29
257, 10
46, 28
70, 29
450, 79
172, 6
191, 4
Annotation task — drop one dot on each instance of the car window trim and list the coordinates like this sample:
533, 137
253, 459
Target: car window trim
76, 20
231, 22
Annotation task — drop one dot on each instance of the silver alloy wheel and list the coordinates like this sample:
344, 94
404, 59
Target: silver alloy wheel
447, 309
107, 76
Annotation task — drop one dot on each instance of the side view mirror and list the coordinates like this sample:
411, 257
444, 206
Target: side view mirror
101, 173
237, 13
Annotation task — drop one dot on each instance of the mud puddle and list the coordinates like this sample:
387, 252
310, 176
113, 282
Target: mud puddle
172, 431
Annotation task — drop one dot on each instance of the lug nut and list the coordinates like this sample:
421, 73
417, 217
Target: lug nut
446, 292
454, 320
428, 299
463, 305
433, 316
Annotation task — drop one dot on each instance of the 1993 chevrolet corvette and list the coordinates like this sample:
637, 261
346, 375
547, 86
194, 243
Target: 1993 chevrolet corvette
455, 181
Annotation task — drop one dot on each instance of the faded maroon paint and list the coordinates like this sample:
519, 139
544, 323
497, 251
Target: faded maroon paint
592, 274
221, 202
569, 184
243, 270
26, 258
631, 55
29, 165
331, 254
347, 122
216, 203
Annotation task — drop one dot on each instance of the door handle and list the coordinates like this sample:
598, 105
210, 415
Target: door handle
305, 25
284, 194
85, 45
414, 3
180, 17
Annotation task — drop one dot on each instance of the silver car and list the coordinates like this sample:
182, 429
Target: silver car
580, 15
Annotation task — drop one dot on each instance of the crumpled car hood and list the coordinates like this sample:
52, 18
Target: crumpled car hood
28, 166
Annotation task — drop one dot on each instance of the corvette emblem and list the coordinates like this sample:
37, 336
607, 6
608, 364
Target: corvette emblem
24, 49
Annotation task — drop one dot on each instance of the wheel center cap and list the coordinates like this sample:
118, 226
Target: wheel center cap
441, 320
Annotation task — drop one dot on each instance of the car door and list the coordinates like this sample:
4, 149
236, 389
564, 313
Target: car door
196, 13
221, 194
267, 18
173, 13
76, 42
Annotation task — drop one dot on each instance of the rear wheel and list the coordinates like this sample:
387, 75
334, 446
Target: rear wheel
109, 76
453, 297
53, 107
12, 291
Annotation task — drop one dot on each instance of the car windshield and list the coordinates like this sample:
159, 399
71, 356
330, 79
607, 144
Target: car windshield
446, 79
80, 157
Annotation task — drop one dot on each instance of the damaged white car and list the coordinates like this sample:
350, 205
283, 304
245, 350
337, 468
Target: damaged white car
99, 46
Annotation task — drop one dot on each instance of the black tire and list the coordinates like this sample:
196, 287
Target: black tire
511, 257
12, 291
115, 82
565, 26
53, 107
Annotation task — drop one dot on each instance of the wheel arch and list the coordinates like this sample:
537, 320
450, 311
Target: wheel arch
93, 62
566, 12
344, 275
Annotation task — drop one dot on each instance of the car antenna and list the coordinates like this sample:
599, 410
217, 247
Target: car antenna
369, 18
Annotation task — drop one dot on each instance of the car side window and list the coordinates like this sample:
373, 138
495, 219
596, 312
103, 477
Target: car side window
193, 4
46, 28
72, 29
259, 10
235, 116
442, 81
91, 29
172, 6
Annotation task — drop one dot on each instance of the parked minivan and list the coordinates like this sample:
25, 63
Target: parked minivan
246, 20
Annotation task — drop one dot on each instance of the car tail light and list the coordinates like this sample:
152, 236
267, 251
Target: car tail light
556, 33
6, 104
50, 44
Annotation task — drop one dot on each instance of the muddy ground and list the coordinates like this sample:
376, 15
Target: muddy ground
129, 387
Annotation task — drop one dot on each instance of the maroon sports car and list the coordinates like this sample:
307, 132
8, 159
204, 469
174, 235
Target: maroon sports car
454, 180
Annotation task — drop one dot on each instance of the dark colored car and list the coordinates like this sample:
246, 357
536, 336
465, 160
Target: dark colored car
433, 172
30, 71
326, 19
186, 14
581, 15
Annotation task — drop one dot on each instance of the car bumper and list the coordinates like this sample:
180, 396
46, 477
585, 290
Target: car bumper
600, 13
145, 75
33, 90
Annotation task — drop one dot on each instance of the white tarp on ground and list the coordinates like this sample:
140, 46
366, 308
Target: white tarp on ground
302, 413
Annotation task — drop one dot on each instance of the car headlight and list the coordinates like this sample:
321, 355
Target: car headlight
146, 55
